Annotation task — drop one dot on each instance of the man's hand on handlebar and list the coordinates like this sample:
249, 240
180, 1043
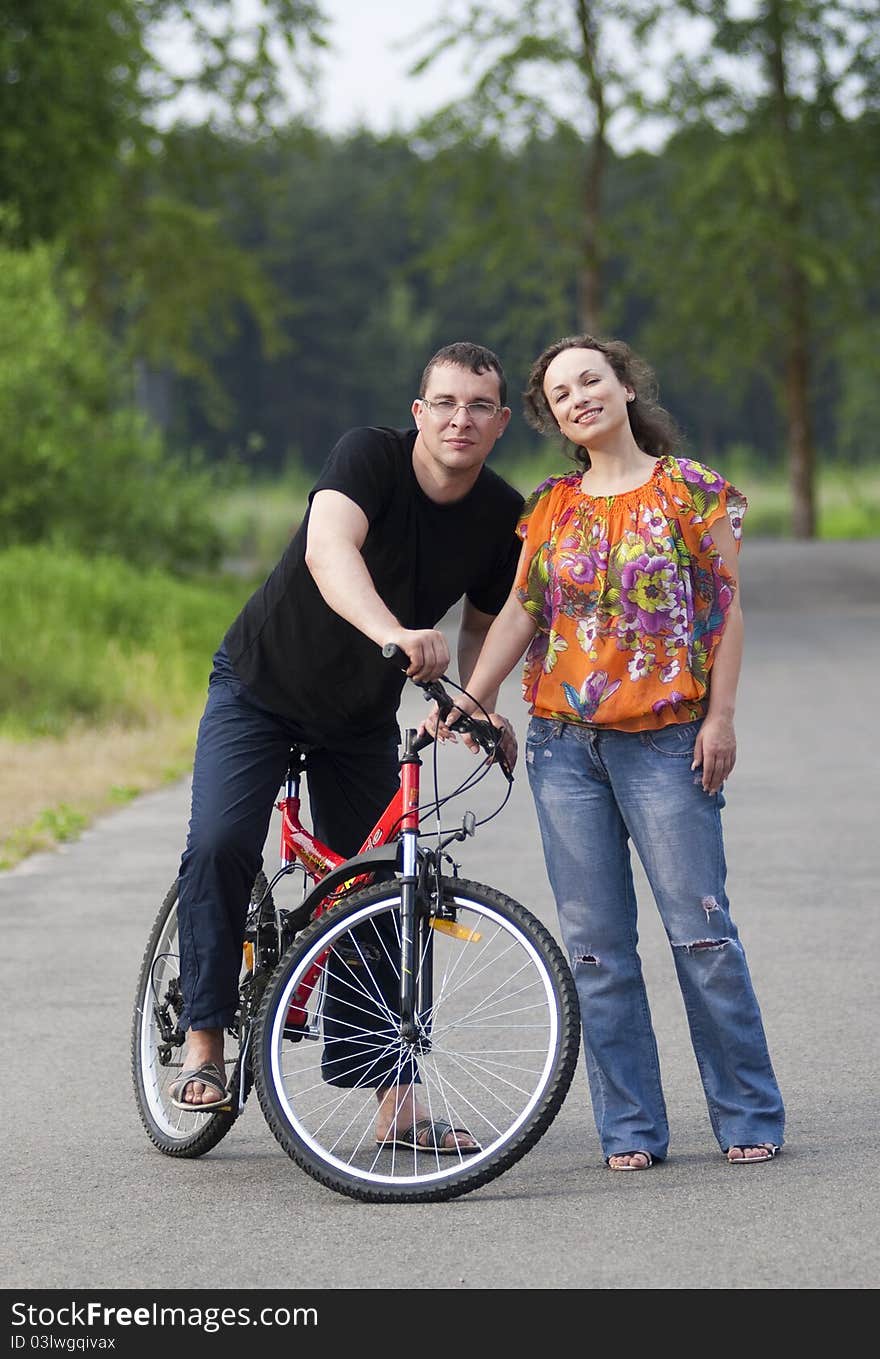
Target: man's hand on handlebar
427, 650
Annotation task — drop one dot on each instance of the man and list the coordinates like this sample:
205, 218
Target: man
401, 525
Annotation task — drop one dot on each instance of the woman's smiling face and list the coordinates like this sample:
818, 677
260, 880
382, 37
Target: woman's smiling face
587, 398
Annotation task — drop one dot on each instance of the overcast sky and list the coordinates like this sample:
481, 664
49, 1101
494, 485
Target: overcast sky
366, 80
374, 42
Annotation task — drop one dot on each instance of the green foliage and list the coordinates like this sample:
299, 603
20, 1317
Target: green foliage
389, 253
329, 219
257, 518
70, 97
178, 284
858, 409
89, 156
734, 243
79, 466
239, 57
97, 640
765, 251
258, 288
509, 244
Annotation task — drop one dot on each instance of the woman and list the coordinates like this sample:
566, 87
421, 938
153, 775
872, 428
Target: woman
626, 599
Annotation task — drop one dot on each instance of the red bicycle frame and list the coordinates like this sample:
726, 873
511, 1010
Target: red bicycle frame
299, 845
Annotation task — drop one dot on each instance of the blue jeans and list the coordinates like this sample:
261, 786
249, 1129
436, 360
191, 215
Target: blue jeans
595, 791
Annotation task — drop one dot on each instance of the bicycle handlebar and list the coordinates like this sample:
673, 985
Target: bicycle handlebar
487, 736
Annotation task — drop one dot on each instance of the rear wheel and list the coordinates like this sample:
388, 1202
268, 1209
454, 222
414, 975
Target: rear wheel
495, 1048
157, 1044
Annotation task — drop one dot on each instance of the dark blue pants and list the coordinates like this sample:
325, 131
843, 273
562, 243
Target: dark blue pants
240, 763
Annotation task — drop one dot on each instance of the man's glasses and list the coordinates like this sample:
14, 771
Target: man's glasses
444, 409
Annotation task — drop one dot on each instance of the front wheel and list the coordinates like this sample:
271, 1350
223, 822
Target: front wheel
494, 1049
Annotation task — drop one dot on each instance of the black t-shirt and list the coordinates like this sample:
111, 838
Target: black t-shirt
305, 662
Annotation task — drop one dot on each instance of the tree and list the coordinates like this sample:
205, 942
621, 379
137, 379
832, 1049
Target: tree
522, 51
748, 264
79, 466
91, 153
86, 88
70, 98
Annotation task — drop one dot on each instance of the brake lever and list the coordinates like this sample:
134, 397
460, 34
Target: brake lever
490, 744
433, 689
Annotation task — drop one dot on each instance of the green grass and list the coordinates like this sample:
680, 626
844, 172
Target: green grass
258, 520
54, 826
101, 642
847, 508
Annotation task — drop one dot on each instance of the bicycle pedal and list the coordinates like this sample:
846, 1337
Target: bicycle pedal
295, 1033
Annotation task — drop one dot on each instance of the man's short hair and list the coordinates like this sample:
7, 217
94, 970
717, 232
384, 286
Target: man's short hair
464, 354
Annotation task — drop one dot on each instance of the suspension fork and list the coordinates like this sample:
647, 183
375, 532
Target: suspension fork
410, 769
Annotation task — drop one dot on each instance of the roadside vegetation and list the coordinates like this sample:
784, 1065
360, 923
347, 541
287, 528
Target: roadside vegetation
103, 669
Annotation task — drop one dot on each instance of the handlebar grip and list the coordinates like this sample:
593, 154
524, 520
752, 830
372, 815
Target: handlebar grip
392, 652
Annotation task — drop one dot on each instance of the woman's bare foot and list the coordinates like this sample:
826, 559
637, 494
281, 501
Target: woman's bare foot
399, 1109
764, 1151
202, 1046
630, 1160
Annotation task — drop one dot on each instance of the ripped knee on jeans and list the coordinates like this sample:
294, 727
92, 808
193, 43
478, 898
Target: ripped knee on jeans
696, 945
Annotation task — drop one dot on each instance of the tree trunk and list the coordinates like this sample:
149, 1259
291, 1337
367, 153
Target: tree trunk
590, 274
801, 449
795, 301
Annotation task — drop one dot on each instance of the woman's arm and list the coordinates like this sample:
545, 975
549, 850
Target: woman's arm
472, 633
505, 643
715, 749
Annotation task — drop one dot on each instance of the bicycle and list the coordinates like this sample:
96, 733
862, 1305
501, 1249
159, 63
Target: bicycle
452, 985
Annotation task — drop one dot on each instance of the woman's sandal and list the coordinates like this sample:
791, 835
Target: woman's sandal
768, 1151
638, 1152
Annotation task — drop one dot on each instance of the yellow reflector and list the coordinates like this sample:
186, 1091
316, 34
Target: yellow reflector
457, 931
248, 955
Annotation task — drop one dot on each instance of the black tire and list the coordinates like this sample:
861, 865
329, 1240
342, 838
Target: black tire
156, 1058
501, 1042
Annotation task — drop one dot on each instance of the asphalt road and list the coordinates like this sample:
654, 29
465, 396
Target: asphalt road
88, 1203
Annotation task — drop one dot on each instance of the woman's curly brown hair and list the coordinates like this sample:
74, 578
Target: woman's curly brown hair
654, 429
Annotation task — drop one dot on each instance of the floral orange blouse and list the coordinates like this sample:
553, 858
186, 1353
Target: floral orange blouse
630, 596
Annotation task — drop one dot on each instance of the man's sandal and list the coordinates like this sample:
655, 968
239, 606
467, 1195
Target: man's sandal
209, 1075
768, 1151
429, 1135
